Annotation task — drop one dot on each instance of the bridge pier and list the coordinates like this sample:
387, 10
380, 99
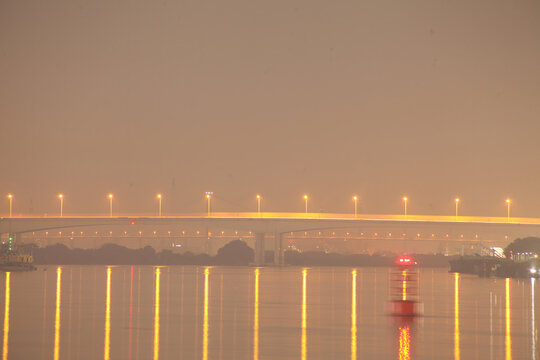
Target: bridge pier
164, 244
278, 249
259, 249
208, 244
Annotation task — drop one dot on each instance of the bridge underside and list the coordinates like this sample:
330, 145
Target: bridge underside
263, 228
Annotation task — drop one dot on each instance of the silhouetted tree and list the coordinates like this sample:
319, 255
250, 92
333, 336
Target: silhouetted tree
54, 254
528, 244
145, 255
236, 252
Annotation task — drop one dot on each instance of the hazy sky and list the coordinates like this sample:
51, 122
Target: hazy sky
429, 98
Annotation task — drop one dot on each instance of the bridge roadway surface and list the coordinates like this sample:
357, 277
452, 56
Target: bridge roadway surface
268, 222
277, 224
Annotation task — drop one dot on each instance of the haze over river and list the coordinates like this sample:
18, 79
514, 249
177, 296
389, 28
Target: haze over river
189, 312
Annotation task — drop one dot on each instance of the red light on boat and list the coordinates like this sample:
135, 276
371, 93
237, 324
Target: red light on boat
405, 261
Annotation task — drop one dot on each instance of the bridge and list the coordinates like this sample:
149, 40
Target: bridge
275, 224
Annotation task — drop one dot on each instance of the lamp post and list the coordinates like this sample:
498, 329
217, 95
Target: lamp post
306, 199
355, 198
507, 210
110, 204
405, 199
10, 197
61, 197
259, 204
159, 204
208, 198
457, 205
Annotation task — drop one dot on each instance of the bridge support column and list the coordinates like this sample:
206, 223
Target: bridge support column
259, 249
164, 244
208, 244
278, 249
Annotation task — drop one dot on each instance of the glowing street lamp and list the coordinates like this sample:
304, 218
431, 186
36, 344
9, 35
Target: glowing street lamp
208, 197
355, 198
10, 197
259, 204
61, 197
306, 199
457, 205
405, 199
508, 209
110, 204
159, 202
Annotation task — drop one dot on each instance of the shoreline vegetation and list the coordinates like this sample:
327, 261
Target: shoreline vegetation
236, 253
520, 259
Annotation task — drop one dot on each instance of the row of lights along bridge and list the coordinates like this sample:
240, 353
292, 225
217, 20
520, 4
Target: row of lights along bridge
208, 197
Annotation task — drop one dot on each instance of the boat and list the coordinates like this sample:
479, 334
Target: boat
404, 289
15, 260
492, 266
483, 266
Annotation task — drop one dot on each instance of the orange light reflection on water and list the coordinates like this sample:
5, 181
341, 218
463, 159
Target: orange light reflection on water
304, 314
6, 318
508, 314
256, 318
353, 317
57, 317
404, 295
156, 316
404, 343
533, 322
130, 313
456, 317
107, 317
205, 314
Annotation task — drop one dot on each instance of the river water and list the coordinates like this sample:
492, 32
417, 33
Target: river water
189, 312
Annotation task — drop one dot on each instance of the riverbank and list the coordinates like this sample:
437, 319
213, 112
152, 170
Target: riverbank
492, 266
234, 253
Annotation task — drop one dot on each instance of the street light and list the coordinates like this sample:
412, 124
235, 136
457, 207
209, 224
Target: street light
508, 209
10, 197
405, 199
355, 198
159, 202
61, 197
110, 204
457, 204
306, 199
209, 197
259, 204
